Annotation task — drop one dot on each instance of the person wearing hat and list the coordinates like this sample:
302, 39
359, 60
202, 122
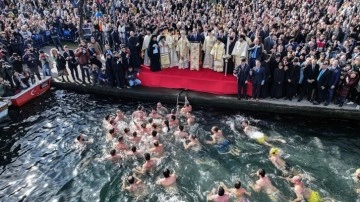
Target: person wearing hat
164, 52
183, 50
209, 42
277, 161
103, 77
154, 54
145, 46
240, 50
304, 193
218, 53
277, 87
55, 37
173, 39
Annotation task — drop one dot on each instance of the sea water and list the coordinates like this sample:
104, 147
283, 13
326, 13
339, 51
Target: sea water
41, 163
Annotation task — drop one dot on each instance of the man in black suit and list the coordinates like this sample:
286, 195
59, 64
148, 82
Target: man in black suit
72, 63
195, 37
269, 42
293, 79
311, 73
322, 83
258, 79
242, 73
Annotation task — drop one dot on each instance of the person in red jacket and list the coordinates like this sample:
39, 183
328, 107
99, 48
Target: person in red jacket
83, 57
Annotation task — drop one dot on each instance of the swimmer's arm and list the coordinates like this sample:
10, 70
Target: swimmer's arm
158, 182
299, 196
187, 146
139, 181
213, 141
123, 187
255, 187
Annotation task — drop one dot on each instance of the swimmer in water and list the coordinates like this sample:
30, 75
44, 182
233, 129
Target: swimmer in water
155, 115
278, 162
154, 135
119, 116
190, 119
120, 145
106, 121
135, 138
166, 126
82, 140
221, 196
356, 178
222, 144
134, 152
158, 148
173, 112
127, 132
133, 186
194, 143
139, 114
113, 156
237, 191
253, 133
180, 133
264, 183
173, 121
168, 180
147, 166
303, 193
111, 135
187, 107
141, 129
161, 109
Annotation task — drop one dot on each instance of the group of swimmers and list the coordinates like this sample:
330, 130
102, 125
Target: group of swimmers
143, 130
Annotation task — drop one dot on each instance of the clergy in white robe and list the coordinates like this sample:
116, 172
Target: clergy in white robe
144, 48
207, 47
173, 41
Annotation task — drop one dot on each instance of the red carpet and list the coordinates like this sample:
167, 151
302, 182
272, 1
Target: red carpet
205, 80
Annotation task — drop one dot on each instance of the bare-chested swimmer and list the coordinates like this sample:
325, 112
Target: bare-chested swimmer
254, 134
222, 144
180, 133
187, 107
194, 143
114, 157
158, 148
168, 180
83, 140
161, 109
134, 186
264, 183
149, 164
238, 192
220, 196
120, 145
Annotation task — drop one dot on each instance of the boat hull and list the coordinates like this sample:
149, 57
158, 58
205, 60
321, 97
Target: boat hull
3, 110
25, 96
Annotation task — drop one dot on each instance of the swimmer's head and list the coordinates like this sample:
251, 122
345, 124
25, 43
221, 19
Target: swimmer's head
143, 125
261, 172
181, 127
237, 185
154, 126
244, 123
166, 173
120, 139
173, 117
215, 129
166, 122
112, 152
150, 120
357, 172
133, 148
126, 130
140, 107
193, 136
131, 180
154, 133
147, 156
112, 122
187, 104
118, 111
107, 117
221, 191
134, 134
173, 111
159, 104
156, 143
274, 151
296, 179
78, 137
112, 131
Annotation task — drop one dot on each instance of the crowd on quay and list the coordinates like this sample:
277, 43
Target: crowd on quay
285, 49
144, 138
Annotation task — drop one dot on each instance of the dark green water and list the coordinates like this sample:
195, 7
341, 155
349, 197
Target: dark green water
40, 163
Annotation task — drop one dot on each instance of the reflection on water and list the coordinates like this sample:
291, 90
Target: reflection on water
40, 163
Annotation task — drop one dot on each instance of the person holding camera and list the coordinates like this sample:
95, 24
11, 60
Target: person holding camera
60, 64
5, 88
31, 63
15, 61
83, 56
55, 37
45, 63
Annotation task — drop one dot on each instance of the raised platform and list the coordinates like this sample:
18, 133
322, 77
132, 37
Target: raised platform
204, 80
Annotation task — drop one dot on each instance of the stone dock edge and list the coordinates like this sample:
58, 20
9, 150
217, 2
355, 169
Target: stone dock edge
170, 96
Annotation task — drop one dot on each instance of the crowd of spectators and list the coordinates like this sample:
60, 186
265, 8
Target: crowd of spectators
292, 49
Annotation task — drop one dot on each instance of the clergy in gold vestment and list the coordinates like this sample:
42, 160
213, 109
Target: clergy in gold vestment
145, 46
172, 40
240, 50
207, 47
164, 53
218, 53
183, 51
